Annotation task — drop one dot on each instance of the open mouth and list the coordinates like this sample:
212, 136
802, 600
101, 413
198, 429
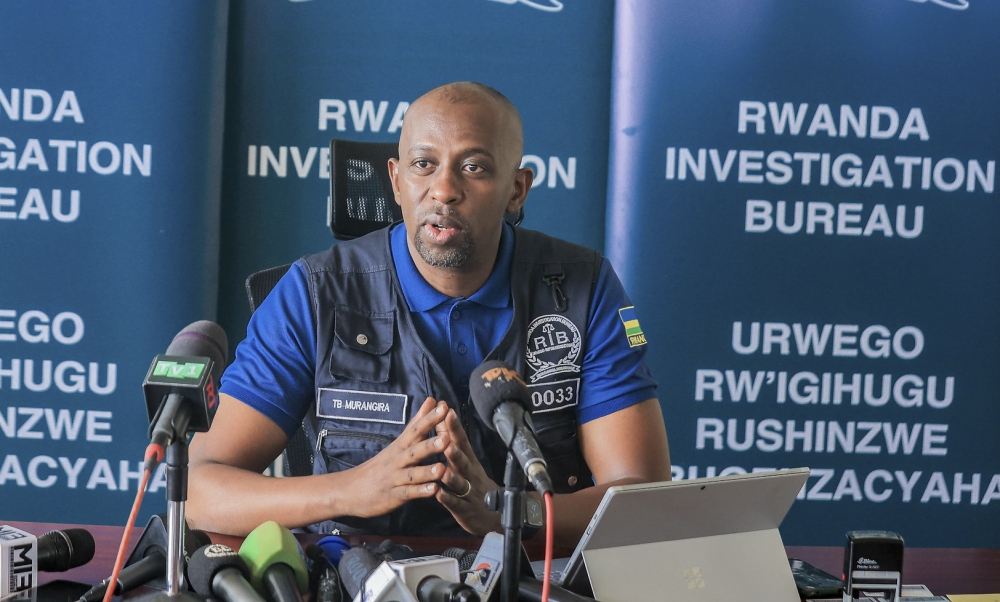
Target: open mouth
441, 229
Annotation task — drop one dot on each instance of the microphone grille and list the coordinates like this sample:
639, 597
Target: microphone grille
493, 383
464, 557
205, 339
73, 547
209, 560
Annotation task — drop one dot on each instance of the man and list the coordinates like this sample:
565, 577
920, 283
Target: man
373, 342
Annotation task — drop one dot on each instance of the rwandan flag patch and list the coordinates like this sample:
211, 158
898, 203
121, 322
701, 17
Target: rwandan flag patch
632, 330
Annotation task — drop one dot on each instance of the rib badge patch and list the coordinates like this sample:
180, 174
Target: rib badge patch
632, 330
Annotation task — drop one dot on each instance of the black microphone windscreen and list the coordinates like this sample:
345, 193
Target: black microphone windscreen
493, 383
209, 560
464, 557
63, 550
205, 339
355, 566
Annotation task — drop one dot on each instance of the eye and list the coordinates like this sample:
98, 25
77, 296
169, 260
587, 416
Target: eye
421, 164
474, 168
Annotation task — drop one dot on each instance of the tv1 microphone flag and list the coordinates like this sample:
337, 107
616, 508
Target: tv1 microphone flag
181, 387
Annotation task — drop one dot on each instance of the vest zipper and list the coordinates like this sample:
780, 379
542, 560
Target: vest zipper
374, 437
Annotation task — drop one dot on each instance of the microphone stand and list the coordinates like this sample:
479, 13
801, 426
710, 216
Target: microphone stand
512, 519
177, 482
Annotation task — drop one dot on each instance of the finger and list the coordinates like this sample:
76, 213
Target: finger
459, 506
453, 426
456, 484
449, 500
413, 492
458, 460
425, 407
418, 475
460, 470
430, 414
425, 448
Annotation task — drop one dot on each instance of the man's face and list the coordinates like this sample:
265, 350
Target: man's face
454, 180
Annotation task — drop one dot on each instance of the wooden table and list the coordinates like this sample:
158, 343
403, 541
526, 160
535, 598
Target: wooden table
943, 570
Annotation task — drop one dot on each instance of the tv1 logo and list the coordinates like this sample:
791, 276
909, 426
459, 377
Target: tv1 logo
18, 562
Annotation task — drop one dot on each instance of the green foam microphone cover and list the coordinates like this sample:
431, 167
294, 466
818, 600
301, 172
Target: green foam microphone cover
270, 544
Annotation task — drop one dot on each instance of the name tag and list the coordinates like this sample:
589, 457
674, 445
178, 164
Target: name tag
362, 406
558, 395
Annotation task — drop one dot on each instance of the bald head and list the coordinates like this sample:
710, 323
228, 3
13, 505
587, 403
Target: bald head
506, 121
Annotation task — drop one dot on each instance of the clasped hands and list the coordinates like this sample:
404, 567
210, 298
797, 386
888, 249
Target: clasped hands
398, 474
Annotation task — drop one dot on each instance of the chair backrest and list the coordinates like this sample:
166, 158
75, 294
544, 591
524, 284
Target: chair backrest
361, 198
298, 454
259, 284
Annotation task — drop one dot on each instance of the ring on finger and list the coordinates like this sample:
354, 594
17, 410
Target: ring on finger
467, 491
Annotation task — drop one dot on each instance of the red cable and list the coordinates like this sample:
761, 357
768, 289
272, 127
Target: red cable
120, 560
549, 536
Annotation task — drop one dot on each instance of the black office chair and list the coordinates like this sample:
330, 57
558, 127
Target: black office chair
361, 201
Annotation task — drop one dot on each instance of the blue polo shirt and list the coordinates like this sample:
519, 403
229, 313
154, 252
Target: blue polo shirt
275, 365
458, 332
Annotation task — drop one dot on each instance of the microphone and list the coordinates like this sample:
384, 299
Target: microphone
275, 561
324, 578
333, 548
60, 551
484, 574
436, 589
355, 566
130, 577
464, 557
363, 560
181, 386
217, 571
22, 555
422, 579
501, 400
152, 565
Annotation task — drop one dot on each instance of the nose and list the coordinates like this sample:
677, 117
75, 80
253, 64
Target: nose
446, 186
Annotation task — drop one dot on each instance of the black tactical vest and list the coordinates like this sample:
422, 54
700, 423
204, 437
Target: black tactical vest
373, 371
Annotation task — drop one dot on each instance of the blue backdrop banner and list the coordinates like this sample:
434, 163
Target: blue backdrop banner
110, 152
302, 73
803, 206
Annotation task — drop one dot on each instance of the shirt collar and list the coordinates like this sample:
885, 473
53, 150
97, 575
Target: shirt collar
421, 296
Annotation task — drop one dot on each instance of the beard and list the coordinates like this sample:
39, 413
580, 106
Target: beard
446, 257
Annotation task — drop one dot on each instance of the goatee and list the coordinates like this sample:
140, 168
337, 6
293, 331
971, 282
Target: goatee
452, 257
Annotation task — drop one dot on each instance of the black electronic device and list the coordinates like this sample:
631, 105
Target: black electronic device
873, 565
813, 582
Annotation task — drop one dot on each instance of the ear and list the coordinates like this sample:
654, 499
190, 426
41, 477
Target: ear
522, 185
394, 178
